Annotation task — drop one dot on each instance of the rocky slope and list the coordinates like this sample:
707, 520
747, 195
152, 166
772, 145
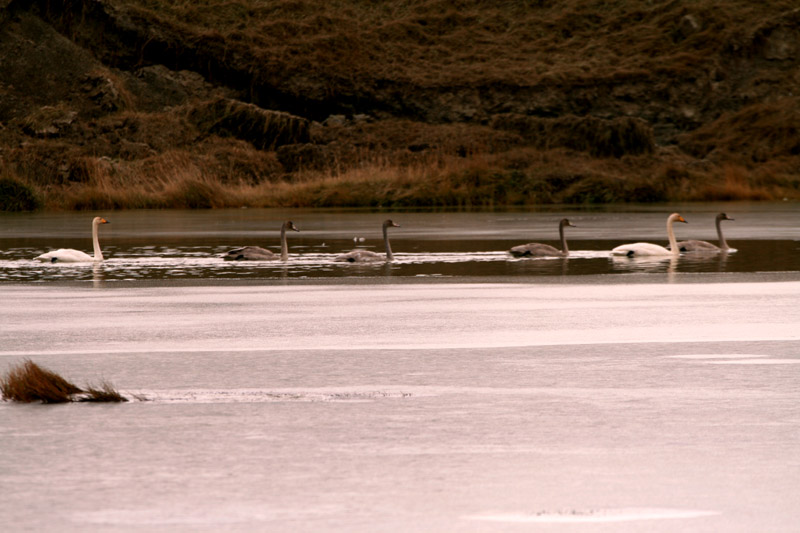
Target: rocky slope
263, 103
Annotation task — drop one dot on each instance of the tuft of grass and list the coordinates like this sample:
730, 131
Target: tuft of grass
104, 392
28, 383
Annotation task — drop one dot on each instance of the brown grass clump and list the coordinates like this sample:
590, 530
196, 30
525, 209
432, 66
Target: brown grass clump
104, 392
29, 383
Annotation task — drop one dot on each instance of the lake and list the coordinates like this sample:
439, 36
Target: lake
186, 245
456, 389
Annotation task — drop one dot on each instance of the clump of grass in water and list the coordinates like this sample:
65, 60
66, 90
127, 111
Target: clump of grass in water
29, 383
104, 392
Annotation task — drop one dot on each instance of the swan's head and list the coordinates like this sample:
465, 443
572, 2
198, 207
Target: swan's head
390, 224
290, 225
566, 222
100, 220
676, 217
723, 216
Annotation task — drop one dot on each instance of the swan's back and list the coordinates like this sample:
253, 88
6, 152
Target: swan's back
250, 253
64, 255
535, 249
638, 249
360, 256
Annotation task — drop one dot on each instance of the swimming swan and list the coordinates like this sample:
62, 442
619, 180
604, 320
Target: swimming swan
640, 249
705, 246
68, 255
535, 249
256, 253
367, 256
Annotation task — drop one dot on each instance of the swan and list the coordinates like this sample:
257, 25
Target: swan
705, 246
367, 256
535, 249
256, 253
645, 248
68, 255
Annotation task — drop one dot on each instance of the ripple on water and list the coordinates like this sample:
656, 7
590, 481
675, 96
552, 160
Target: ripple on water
738, 359
593, 515
263, 396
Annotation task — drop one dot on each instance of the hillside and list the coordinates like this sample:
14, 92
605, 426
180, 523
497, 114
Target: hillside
145, 103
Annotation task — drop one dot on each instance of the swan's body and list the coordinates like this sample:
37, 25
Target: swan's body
536, 249
640, 249
368, 256
705, 246
256, 253
68, 255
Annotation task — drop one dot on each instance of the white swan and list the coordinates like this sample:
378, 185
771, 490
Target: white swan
535, 249
640, 249
68, 255
705, 246
256, 253
367, 256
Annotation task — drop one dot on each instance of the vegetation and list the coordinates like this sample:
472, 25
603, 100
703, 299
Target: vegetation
17, 196
104, 392
154, 104
29, 383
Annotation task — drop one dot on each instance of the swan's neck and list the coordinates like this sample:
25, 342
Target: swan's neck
673, 244
564, 248
722, 244
98, 254
284, 244
389, 256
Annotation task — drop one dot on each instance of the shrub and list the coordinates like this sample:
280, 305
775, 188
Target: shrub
17, 196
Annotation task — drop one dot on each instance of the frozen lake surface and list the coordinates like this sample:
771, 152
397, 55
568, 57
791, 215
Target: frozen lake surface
664, 397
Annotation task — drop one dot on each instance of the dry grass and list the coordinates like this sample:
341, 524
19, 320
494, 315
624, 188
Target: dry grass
518, 176
104, 392
29, 383
735, 184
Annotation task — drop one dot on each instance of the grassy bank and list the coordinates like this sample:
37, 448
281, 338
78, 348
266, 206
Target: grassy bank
521, 176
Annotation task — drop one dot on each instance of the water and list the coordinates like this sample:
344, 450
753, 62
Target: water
474, 393
186, 245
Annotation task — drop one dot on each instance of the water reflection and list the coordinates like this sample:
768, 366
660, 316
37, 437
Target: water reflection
658, 263
98, 275
181, 245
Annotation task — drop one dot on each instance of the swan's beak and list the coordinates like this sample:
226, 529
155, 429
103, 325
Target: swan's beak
681, 219
104, 221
